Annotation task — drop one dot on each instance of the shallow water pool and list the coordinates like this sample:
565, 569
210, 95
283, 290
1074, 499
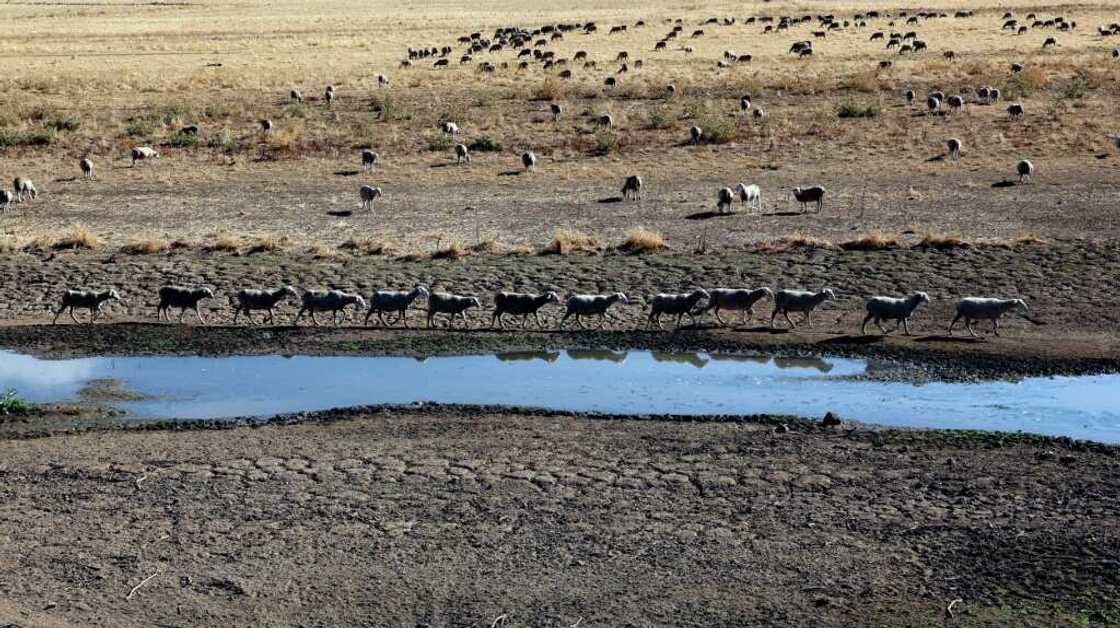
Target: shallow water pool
633, 382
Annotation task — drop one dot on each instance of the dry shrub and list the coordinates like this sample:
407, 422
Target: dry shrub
942, 241
76, 237
568, 241
1029, 239
266, 244
485, 246
145, 246
867, 82
321, 251
225, 243
794, 242
1027, 82
873, 241
642, 240
365, 247
454, 250
551, 88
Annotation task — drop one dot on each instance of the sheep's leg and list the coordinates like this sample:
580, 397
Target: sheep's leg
953, 324
968, 324
995, 325
603, 320
237, 313
369, 313
496, 320
879, 322
789, 320
402, 318
863, 327
431, 315
579, 321
772, 317
720, 318
905, 326
537, 317
314, 319
295, 321
57, 313
809, 318
182, 313
198, 313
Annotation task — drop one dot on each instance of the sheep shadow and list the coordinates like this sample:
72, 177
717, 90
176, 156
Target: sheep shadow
947, 338
707, 214
861, 340
790, 213
1102, 156
347, 173
341, 213
1006, 183
445, 164
66, 179
511, 173
611, 199
758, 329
937, 158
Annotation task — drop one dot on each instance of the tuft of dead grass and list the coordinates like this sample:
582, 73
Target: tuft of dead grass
942, 241
266, 244
1029, 239
146, 246
641, 240
873, 241
569, 241
77, 236
454, 250
797, 241
365, 247
224, 243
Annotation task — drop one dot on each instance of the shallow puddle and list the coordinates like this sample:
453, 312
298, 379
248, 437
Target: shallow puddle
633, 382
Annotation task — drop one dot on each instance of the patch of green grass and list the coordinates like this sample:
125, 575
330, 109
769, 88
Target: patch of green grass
440, 142
138, 128
64, 123
184, 140
605, 143
388, 108
484, 144
660, 118
223, 140
851, 109
10, 403
718, 129
1078, 88
35, 137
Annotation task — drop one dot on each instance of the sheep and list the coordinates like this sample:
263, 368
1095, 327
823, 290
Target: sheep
529, 160
632, 187
724, 197
24, 189
909, 97
369, 159
976, 308
1025, 169
5, 199
450, 128
296, 96
750, 194
736, 299
745, 103
786, 301
451, 304
520, 304
87, 300
759, 114
382, 81
393, 301
811, 194
141, 153
679, 304
333, 301
696, 134
182, 298
889, 308
368, 193
87, 168
956, 103
605, 120
462, 153
249, 299
1050, 41
266, 126
1015, 110
934, 104
954, 146
329, 96
190, 129
557, 111
580, 305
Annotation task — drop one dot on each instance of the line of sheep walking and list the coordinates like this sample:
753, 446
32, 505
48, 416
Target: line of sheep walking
339, 305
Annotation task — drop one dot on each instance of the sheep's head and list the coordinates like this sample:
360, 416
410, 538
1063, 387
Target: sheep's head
1021, 305
205, 293
420, 291
767, 293
920, 297
288, 291
552, 297
828, 294
620, 297
475, 301
699, 294
113, 295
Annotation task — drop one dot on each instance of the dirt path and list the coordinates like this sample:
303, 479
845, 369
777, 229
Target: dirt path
452, 517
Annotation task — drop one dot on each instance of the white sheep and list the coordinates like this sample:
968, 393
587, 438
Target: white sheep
382, 81
736, 300
450, 128
786, 301
580, 305
451, 304
87, 168
520, 304
679, 304
24, 189
462, 153
250, 299
368, 193
529, 160
954, 146
749, 194
892, 309
812, 194
87, 300
632, 187
143, 153
5, 199
393, 301
266, 126
333, 301
1025, 169
606, 120
724, 198
370, 158
296, 96
696, 134
978, 308
557, 111
329, 96
182, 298
1016, 110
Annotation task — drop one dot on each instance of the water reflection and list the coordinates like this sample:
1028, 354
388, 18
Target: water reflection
528, 356
695, 359
597, 354
817, 364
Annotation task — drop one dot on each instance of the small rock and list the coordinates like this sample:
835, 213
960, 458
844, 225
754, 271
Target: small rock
782, 429
1067, 459
830, 420
1046, 455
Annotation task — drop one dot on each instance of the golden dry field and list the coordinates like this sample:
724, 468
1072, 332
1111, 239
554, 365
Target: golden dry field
95, 79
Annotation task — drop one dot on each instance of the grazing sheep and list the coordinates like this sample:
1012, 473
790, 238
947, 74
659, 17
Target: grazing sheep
934, 104
382, 81
368, 193
296, 96
452, 305
580, 305
759, 114
333, 301
1015, 110
462, 153
142, 153
632, 187
679, 304
87, 168
606, 120
1025, 170
369, 159
786, 301
5, 199
1050, 41
557, 110
811, 194
954, 146
450, 128
87, 300
696, 133
249, 299
750, 194
1016, 68
956, 103
892, 309
724, 198
266, 126
529, 160
520, 304
182, 298
982, 93
909, 97
745, 103
993, 95
24, 189
190, 129
736, 300
329, 96
393, 301
978, 308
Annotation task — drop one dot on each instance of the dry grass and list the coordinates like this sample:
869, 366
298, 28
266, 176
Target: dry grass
794, 242
942, 241
365, 247
75, 237
224, 243
146, 246
1029, 239
454, 250
642, 240
266, 244
873, 241
568, 242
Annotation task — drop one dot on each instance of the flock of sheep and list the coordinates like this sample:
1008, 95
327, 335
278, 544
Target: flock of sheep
576, 306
